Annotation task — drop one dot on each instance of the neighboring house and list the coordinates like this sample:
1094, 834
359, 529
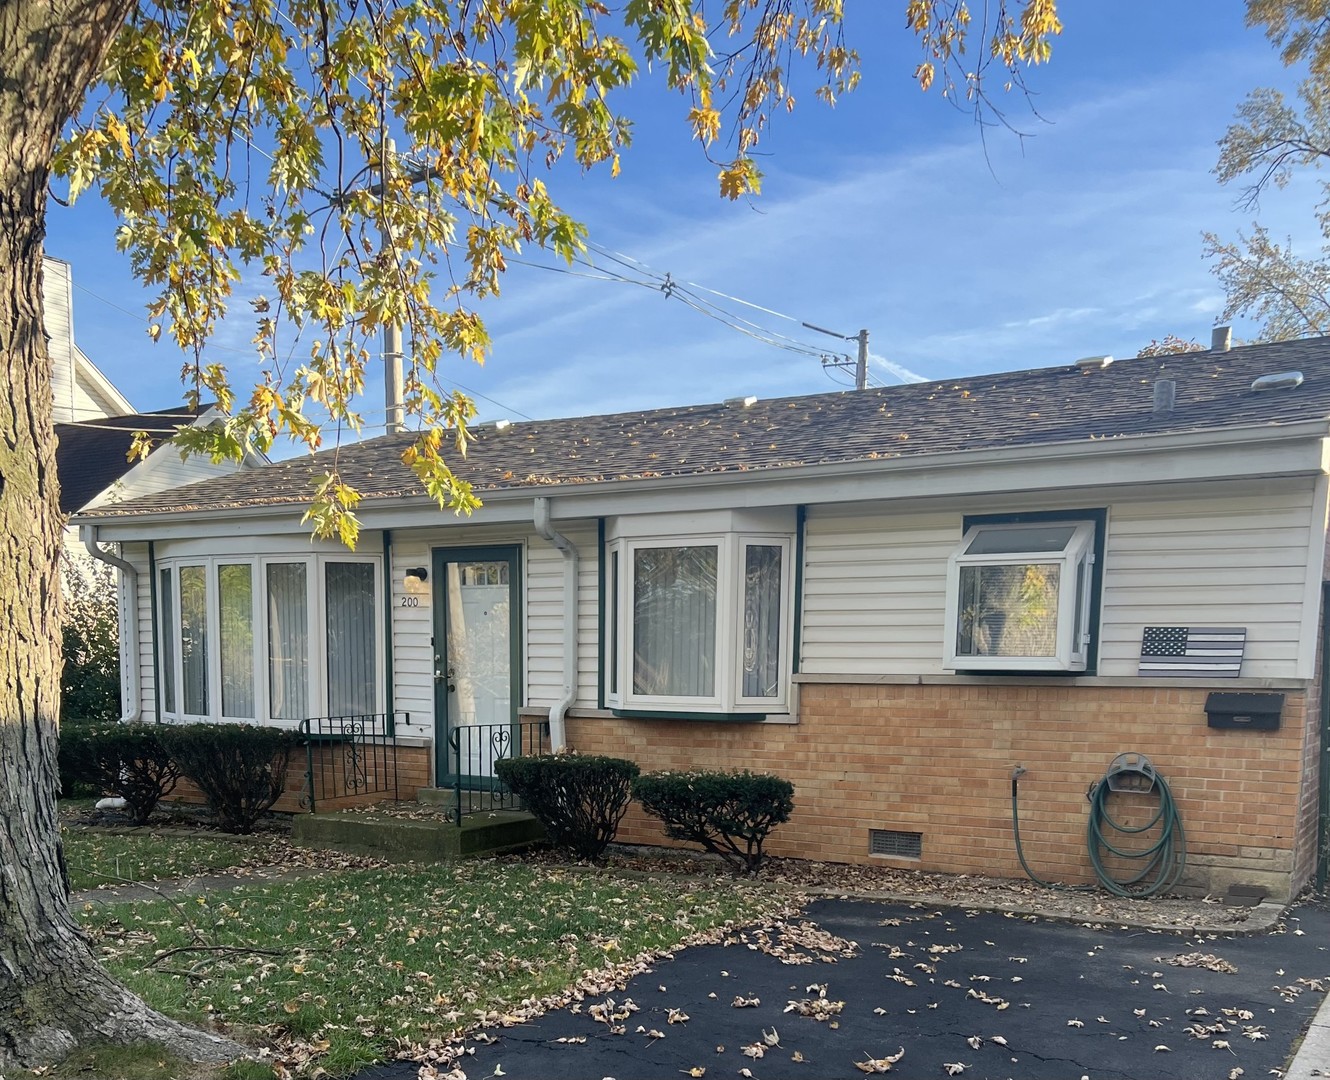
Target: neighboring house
79, 391
95, 426
891, 597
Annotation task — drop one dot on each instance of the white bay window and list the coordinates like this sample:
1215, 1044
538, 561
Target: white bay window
698, 624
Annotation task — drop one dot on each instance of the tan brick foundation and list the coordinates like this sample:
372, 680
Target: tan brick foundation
937, 760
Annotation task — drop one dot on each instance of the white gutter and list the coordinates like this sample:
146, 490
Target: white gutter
571, 559
127, 607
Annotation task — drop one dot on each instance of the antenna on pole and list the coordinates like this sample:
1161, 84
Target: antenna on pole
860, 364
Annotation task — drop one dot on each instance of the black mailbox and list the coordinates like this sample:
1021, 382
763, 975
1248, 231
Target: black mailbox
1258, 711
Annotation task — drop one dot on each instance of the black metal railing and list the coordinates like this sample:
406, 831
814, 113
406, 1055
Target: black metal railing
350, 755
474, 748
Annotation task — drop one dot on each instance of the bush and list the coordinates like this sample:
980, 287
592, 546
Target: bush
74, 781
128, 760
240, 768
90, 642
579, 800
729, 814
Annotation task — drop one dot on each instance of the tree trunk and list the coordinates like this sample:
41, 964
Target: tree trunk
53, 993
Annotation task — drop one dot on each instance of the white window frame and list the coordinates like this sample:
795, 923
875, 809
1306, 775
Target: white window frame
316, 607
1076, 568
731, 548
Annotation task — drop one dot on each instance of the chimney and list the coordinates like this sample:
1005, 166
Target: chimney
1221, 338
1166, 395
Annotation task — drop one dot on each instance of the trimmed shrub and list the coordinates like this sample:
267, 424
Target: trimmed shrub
729, 814
240, 768
71, 761
127, 760
580, 800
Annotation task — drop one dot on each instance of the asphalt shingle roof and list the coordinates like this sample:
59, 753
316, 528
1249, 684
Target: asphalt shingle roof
998, 411
91, 455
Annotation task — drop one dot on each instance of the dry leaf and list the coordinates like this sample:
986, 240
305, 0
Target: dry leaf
954, 1068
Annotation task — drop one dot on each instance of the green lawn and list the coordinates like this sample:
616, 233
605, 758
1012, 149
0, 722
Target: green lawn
357, 962
98, 858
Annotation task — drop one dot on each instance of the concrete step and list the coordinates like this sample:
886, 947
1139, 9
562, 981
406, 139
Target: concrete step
408, 840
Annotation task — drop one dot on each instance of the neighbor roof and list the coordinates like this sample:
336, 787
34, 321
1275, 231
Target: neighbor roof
1010, 409
92, 455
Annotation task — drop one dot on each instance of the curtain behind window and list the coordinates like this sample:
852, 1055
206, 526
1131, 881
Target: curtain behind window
288, 641
194, 639
235, 586
761, 614
167, 587
352, 688
674, 621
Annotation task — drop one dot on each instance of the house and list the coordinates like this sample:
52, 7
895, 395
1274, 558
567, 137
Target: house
95, 423
95, 426
894, 598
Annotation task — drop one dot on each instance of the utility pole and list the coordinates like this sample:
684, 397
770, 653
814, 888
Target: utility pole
860, 365
393, 406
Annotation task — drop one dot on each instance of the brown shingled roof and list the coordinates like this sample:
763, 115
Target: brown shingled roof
1010, 409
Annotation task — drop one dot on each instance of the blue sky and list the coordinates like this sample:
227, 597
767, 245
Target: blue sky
960, 255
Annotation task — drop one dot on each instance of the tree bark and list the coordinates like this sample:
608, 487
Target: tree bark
53, 993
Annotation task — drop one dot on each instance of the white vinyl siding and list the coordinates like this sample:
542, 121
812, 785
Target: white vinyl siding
875, 588
1209, 562
875, 579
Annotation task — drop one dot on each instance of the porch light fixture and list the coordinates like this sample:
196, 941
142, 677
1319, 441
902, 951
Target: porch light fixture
420, 573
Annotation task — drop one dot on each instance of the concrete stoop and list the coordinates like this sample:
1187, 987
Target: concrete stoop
409, 840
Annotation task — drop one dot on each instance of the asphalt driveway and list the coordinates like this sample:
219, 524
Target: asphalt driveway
972, 994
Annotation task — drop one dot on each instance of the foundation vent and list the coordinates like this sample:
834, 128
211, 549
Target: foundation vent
901, 845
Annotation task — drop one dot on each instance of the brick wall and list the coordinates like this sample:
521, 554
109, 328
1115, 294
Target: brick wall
937, 760
413, 773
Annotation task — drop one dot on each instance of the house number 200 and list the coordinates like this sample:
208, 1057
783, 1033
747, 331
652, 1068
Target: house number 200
410, 601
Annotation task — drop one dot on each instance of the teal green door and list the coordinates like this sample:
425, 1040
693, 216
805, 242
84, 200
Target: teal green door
477, 660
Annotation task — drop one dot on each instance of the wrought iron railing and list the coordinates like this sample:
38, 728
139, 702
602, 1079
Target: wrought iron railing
474, 748
349, 756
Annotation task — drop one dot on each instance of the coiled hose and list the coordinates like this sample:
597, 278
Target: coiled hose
1162, 861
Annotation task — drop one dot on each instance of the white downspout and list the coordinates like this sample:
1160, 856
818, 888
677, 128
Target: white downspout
571, 559
127, 610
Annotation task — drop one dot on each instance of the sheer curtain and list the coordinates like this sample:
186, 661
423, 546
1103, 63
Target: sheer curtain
352, 689
194, 638
235, 586
761, 621
166, 586
288, 641
674, 621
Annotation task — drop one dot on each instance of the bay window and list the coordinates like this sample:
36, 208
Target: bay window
271, 638
698, 623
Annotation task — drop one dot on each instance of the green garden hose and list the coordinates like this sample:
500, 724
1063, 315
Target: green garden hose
1162, 862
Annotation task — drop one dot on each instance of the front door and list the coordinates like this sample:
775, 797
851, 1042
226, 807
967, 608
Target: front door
477, 660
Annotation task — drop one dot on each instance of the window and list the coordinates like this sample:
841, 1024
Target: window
351, 654
275, 638
235, 590
1019, 595
288, 641
698, 623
